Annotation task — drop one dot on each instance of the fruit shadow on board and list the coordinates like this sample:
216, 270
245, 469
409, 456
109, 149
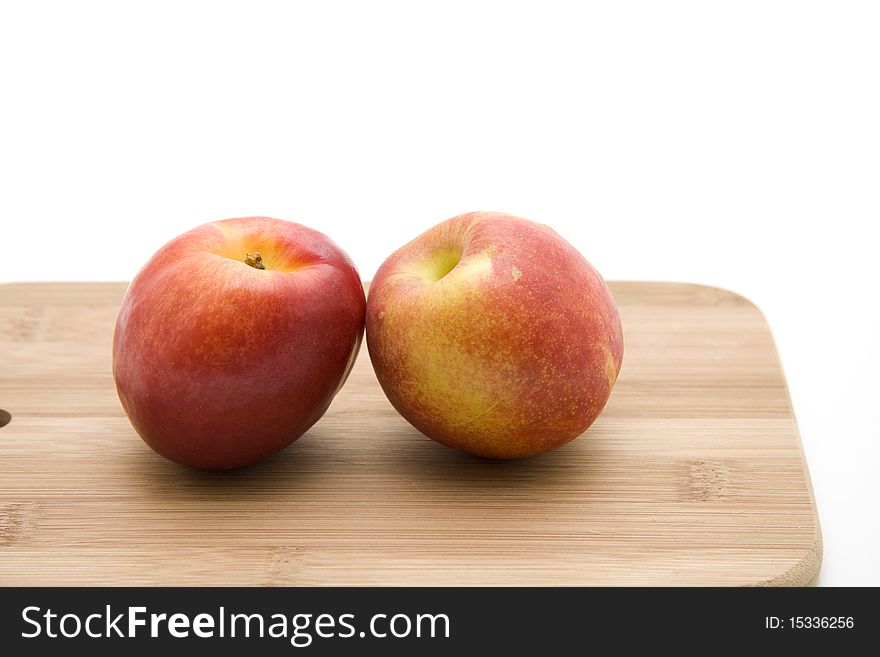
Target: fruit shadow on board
298, 467
325, 459
435, 467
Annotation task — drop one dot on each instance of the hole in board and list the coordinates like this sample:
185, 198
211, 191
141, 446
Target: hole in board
5, 417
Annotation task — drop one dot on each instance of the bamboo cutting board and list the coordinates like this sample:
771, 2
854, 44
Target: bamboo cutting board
694, 474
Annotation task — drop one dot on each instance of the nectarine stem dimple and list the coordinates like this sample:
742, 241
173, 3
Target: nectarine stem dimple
255, 260
441, 263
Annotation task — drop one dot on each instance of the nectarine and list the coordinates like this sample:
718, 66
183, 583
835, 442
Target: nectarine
234, 338
492, 334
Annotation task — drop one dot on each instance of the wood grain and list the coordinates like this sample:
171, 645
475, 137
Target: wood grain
694, 474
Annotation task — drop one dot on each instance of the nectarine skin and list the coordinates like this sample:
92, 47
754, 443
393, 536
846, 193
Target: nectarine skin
219, 363
493, 335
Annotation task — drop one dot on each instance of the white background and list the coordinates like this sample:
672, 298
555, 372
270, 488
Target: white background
734, 144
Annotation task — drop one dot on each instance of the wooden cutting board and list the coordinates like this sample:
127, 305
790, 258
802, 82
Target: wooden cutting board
694, 474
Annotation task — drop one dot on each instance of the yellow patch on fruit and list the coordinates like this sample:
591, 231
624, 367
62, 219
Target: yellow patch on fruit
516, 273
610, 367
476, 265
460, 380
466, 391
